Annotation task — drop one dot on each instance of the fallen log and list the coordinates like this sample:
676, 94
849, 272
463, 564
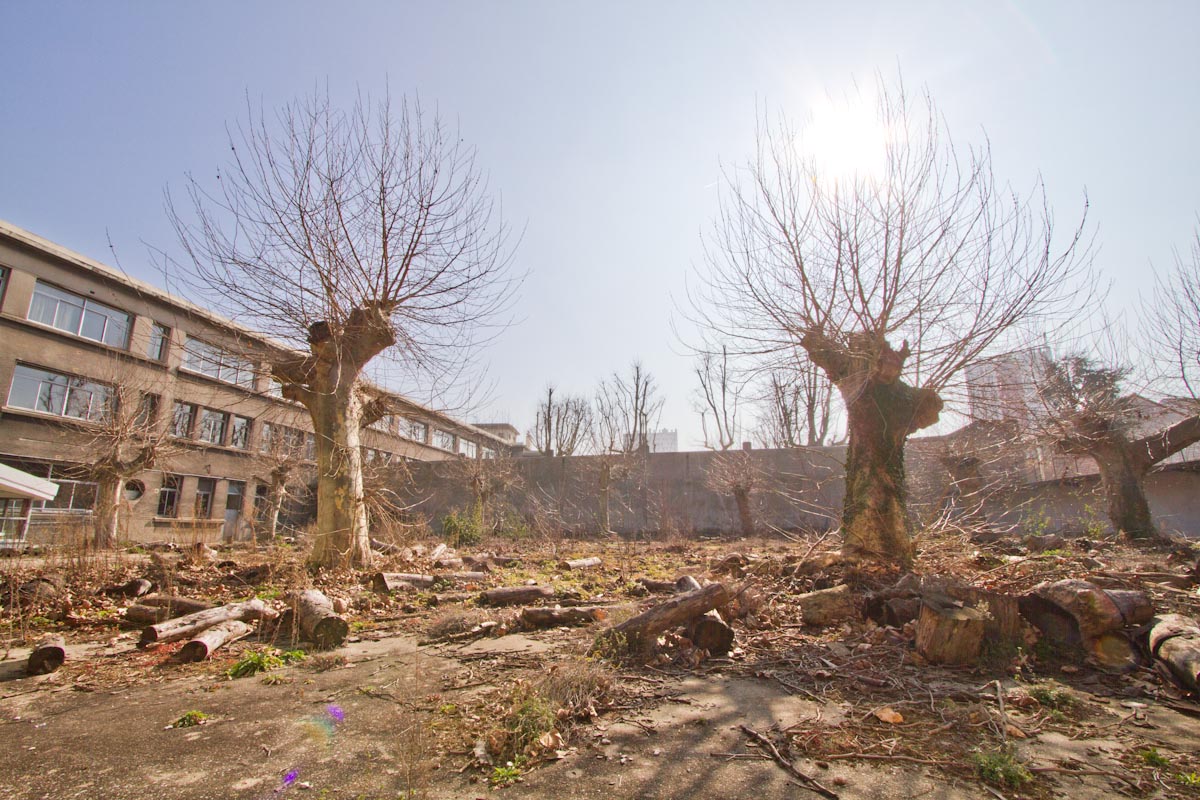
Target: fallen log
439, 551
146, 615
947, 634
317, 621
464, 577
47, 656
185, 627
1096, 611
1175, 641
708, 631
176, 605
200, 647
827, 606
543, 617
581, 563
387, 548
641, 632
388, 582
657, 587
515, 595
448, 562
134, 588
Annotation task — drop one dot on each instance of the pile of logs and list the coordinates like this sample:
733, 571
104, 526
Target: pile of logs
693, 610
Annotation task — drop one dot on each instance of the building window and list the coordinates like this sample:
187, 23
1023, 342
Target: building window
182, 419
239, 433
160, 335
57, 394
216, 362
443, 440
80, 316
205, 489
3, 282
13, 511
168, 496
489, 453
235, 497
310, 446
417, 431
147, 413
467, 448
212, 426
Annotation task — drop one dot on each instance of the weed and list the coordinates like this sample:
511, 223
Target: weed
463, 529
263, 660
190, 720
1056, 551
1152, 758
454, 621
508, 773
275, 679
1189, 778
323, 662
269, 594
530, 717
1001, 768
577, 686
1053, 695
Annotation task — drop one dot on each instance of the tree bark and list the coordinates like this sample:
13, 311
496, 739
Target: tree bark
582, 563
541, 617
1122, 481
741, 496
343, 538
949, 635
107, 515
827, 606
203, 645
708, 631
1175, 640
175, 605
387, 582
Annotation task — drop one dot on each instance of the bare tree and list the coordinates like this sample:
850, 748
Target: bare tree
561, 426
719, 401
1174, 321
797, 408
1088, 413
932, 250
627, 407
345, 234
281, 464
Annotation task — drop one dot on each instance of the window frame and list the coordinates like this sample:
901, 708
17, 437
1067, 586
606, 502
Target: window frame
193, 413
160, 335
68, 387
171, 487
203, 426
212, 361
85, 307
241, 442
205, 500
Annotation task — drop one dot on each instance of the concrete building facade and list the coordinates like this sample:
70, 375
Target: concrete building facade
73, 330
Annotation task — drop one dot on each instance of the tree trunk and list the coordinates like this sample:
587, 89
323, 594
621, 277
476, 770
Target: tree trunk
47, 656
388, 582
1175, 640
270, 519
515, 595
741, 496
1122, 481
605, 482
640, 632
949, 635
106, 517
827, 606
343, 539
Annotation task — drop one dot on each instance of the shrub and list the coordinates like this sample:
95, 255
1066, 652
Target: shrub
463, 529
1001, 768
263, 660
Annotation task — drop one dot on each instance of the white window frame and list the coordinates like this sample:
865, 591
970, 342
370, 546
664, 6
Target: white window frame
50, 297
212, 361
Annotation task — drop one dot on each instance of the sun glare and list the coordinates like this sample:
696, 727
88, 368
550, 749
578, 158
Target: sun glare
845, 141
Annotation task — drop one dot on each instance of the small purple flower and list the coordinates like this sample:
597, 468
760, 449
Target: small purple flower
290, 778
336, 712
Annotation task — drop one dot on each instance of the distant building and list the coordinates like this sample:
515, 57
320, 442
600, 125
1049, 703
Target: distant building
1004, 388
662, 441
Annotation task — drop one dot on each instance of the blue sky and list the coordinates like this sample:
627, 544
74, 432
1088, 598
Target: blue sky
602, 126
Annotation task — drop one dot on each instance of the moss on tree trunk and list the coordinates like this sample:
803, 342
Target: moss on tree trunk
1122, 481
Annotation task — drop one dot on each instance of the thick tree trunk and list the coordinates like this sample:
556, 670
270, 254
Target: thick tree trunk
203, 644
1122, 476
107, 515
741, 496
343, 539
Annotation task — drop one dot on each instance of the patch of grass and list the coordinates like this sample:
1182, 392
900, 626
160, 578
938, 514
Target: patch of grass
577, 686
269, 594
1152, 758
463, 528
529, 718
190, 719
323, 662
508, 773
263, 660
1001, 768
1053, 695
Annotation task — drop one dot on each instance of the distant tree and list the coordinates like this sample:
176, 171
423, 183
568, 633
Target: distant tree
561, 425
718, 401
1174, 320
1089, 414
344, 234
931, 250
796, 408
626, 409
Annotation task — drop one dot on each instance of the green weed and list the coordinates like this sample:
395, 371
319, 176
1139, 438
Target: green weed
1051, 694
263, 660
508, 773
1152, 758
1001, 768
190, 720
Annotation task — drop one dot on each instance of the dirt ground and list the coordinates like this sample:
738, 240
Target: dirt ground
421, 695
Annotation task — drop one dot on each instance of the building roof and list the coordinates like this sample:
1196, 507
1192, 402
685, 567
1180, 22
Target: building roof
17, 484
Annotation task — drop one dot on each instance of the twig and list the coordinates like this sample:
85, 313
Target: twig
1104, 772
886, 757
809, 781
1003, 715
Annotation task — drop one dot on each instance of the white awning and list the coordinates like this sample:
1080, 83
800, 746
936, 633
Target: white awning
15, 483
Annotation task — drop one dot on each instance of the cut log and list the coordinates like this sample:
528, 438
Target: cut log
582, 563
439, 551
1114, 652
709, 631
448, 562
1175, 640
134, 588
47, 656
317, 621
176, 605
443, 598
827, 606
1003, 623
387, 548
542, 617
187, 626
658, 587
388, 582
464, 577
641, 632
948, 634
515, 595
1096, 611
200, 647
142, 616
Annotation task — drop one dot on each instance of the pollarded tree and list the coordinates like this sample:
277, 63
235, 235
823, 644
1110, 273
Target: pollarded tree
929, 250
561, 425
345, 234
719, 399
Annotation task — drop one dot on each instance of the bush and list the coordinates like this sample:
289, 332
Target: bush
463, 529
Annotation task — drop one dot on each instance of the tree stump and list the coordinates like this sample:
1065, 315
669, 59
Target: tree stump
202, 646
317, 621
47, 656
185, 627
1175, 640
827, 606
948, 634
515, 595
388, 582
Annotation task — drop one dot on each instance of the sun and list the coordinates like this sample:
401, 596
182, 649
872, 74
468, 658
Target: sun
845, 141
